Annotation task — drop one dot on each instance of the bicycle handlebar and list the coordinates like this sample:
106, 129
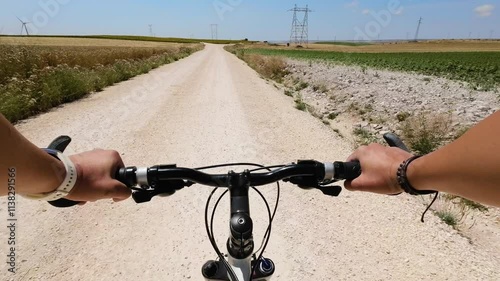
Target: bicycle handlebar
132, 176
177, 178
166, 179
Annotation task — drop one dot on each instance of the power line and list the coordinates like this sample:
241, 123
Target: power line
151, 31
214, 29
300, 29
418, 29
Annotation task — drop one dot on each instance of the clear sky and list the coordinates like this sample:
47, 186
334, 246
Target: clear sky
257, 19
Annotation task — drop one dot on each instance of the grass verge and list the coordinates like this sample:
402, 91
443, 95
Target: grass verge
269, 67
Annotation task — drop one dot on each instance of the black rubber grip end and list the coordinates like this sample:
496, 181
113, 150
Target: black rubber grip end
126, 176
347, 170
63, 203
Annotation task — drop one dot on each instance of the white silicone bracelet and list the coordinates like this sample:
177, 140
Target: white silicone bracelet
66, 186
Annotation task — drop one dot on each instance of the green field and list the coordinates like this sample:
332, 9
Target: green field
480, 69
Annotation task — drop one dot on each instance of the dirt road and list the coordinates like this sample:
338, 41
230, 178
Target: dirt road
207, 109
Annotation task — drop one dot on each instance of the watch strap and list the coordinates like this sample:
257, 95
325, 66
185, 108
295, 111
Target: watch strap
66, 186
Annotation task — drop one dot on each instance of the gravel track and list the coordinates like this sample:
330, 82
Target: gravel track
206, 109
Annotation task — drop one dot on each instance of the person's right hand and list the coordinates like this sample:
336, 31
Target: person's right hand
379, 165
95, 171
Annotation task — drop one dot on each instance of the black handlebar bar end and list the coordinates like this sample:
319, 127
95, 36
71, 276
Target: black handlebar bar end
347, 170
127, 176
63, 203
394, 141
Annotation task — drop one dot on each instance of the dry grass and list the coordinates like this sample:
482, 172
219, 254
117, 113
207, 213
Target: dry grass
456, 211
23, 61
269, 67
274, 68
34, 79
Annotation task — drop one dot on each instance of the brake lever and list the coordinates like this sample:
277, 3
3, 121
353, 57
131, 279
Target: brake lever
331, 190
163, 189
311, 182
308, 182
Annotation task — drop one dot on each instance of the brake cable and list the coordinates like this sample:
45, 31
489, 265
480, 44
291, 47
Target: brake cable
209, 230
429, 206
268, 231
212, 240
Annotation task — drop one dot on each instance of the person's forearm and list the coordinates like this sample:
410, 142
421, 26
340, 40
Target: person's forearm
469, 167
36, 171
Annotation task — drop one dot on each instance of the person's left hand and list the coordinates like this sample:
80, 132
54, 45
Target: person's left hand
96, 170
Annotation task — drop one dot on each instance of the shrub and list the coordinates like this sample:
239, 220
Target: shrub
301, 86
447, 217
333, 115
426, 132
363, 136
300, 105
402, 116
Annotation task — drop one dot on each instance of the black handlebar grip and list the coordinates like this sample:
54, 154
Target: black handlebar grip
123, 175
347, 170
394, 141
